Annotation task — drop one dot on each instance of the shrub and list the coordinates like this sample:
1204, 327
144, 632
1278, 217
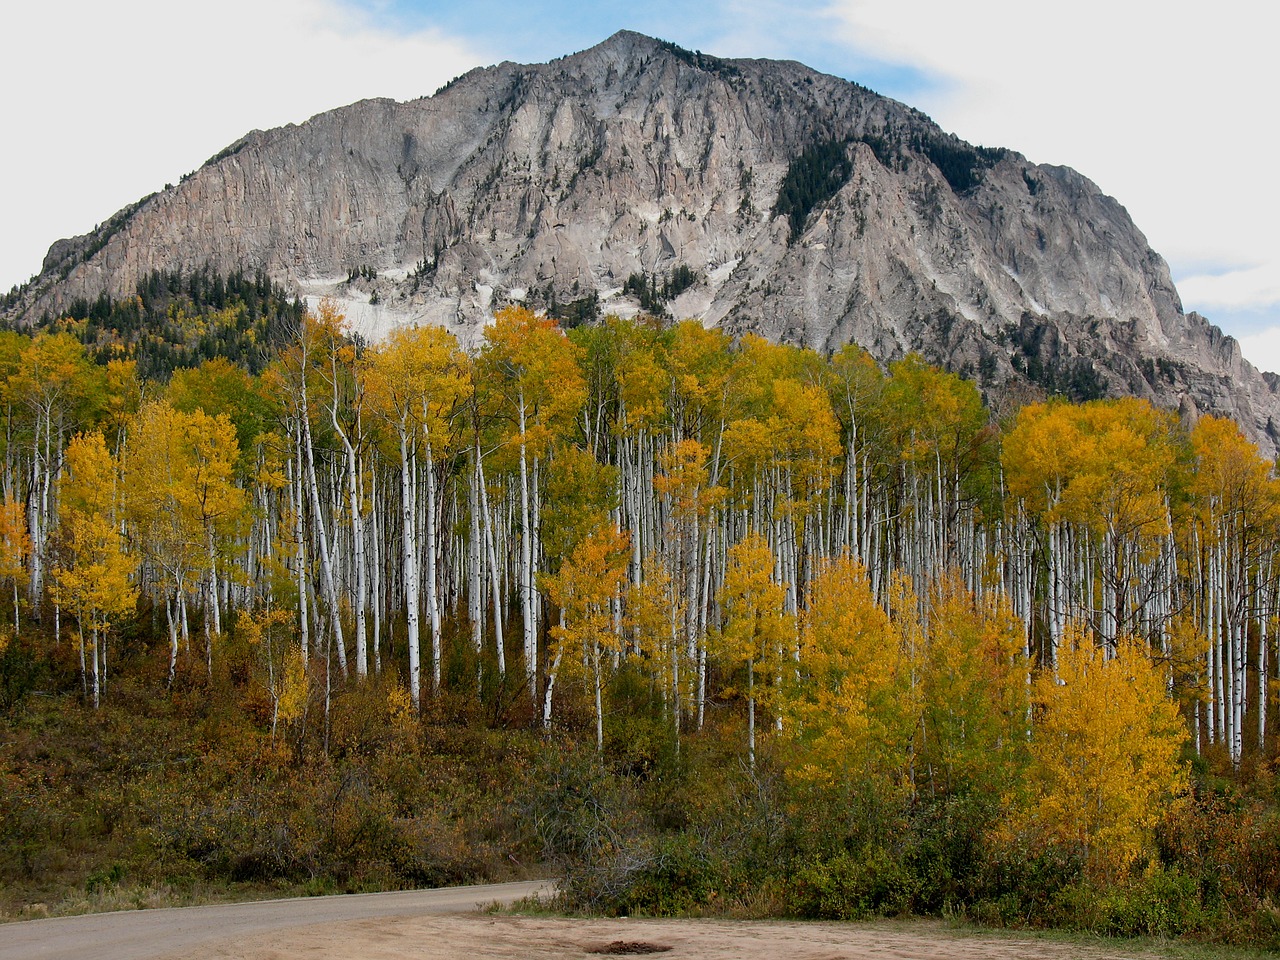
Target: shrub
852, 887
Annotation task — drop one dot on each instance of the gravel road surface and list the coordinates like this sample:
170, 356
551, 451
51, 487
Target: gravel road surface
149, 934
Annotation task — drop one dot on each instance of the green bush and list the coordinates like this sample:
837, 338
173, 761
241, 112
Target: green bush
852, 887
1163, 903
946, 849
677, 874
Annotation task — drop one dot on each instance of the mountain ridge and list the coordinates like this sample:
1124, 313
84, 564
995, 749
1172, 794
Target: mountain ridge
807, 209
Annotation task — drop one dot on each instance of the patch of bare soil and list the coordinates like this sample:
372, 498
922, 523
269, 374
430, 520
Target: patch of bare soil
536, 938
630, 948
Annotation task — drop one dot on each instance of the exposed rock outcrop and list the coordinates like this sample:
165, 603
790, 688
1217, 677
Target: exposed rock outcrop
809, 209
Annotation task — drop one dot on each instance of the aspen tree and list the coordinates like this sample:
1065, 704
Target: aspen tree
281, 674
52, 384
973, 694
851, 714
856, 386
584, 588
184, 506
416, 380
531, 377
346, 397
299, 373
15, 547
655, 614
1104, 754
92, 570
1236, 518
756, 628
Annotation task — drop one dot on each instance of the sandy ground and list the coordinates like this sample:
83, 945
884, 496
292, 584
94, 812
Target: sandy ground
525, 938
228, 929
447, 925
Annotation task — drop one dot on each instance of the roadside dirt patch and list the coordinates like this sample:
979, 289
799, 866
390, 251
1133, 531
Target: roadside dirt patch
538, 938
629, 948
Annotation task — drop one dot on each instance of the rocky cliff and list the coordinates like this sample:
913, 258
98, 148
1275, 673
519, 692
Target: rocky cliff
755, 195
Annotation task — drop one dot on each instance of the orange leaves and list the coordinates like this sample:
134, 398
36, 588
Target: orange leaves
15, 543
684, 477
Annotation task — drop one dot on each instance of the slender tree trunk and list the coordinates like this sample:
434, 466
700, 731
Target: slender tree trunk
300, 555
409, 523
475, 566
357, 542
526, 566
433, 603
596, 669
322, 538
495, 572
97, 683
173, 639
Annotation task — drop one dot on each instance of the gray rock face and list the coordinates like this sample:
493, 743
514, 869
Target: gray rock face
554, 183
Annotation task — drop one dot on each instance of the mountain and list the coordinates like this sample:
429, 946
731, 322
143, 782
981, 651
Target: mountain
757, 195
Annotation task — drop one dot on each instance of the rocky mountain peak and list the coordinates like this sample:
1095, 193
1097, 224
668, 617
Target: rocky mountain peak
757, 195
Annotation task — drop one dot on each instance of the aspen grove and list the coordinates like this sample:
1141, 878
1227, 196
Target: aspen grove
862, 576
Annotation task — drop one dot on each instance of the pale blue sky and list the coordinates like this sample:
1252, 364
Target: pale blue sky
537, 32
1166, 108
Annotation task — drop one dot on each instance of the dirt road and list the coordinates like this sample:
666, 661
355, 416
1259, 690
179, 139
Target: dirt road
443, 925
229, 928
538, 938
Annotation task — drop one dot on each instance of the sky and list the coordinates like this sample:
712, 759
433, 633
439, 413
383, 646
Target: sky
1168, 108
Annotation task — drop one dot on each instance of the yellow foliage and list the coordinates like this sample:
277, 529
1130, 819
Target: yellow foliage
415, 378
851, 716
1105, 465
91, 574
1233, 486
15, 544
527, 364
180, 493
972, 677
587, 582
400, 708
1104, 755
272, 633
757, 631
683, 476
642, 385
655, 612
294, 689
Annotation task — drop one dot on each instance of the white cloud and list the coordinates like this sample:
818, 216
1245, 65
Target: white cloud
1166, 107
1262, 349
1242, 289
103, 103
